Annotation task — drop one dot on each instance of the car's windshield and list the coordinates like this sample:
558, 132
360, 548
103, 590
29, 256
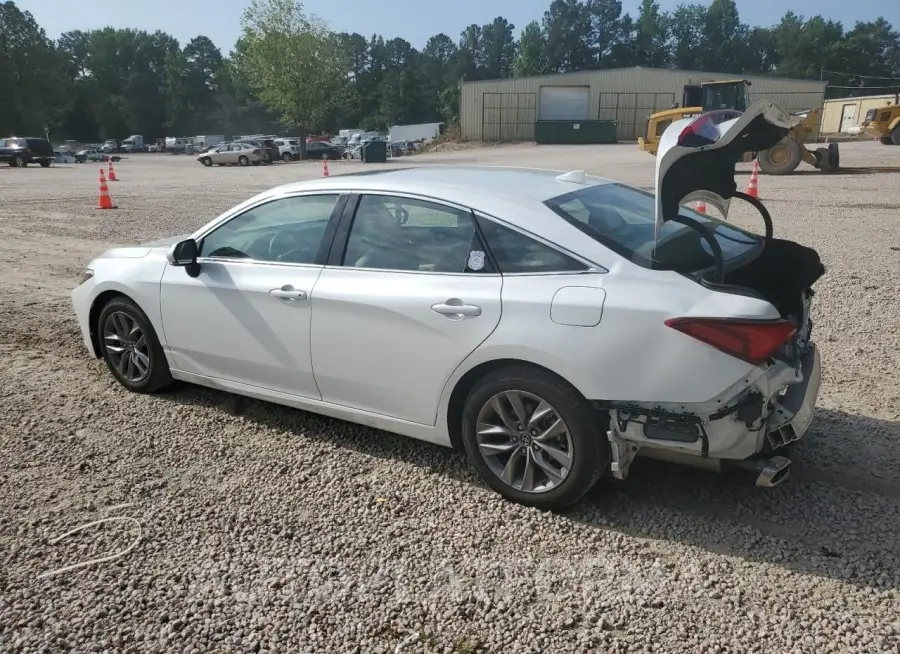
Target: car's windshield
623, 219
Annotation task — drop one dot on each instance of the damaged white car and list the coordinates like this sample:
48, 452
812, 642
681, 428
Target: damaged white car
553, 326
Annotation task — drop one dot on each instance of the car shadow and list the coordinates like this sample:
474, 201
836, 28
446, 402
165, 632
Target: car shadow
840, 505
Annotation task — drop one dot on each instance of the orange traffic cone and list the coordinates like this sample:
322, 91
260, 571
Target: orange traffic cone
105, 200
112, 171
701, 207
325, 168
753, 186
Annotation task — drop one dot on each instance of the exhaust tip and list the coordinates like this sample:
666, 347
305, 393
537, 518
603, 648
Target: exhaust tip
773, 472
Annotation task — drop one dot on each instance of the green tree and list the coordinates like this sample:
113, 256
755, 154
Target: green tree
568, 34
32, 75
651, 36
531, 58
499, 47
293, 62
688, 40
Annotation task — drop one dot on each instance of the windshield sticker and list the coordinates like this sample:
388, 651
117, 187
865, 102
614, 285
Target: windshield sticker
476, 260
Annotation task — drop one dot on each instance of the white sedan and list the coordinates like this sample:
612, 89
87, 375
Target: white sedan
554, 326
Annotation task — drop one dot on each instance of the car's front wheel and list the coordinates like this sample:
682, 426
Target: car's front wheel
243, 161
206, 161
533, 438
130, 347
287, 157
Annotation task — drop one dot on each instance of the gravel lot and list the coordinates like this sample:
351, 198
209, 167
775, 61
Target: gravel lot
268, 529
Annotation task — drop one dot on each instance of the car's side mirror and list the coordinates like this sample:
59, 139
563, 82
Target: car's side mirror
184, 254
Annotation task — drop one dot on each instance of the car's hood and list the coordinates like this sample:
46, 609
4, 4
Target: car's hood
143, 249
697, 156
165, 242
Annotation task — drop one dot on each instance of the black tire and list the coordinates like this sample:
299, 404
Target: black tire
18, 161
243, 161
45, 163
895, 135
206, 161
886, 140
287, 157
586, 427
823, 157
157, 376
834, 154
782, 158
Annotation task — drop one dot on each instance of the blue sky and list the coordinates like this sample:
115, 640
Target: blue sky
413, 20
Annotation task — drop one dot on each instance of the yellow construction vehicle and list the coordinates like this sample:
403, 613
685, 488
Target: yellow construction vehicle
884, 123
780, 159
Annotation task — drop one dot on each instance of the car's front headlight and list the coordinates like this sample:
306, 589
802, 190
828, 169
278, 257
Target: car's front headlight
86, 274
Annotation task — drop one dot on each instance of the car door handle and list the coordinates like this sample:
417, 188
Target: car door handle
288, 293
456, 310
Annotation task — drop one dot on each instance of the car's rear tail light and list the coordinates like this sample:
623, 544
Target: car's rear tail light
753, 341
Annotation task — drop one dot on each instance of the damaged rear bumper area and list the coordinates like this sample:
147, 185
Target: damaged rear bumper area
746, 427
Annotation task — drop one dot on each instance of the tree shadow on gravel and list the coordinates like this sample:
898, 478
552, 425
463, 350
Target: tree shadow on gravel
839, 507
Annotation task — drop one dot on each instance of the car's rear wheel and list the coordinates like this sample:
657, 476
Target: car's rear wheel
243, 161
287, 157
533, 438
130, 347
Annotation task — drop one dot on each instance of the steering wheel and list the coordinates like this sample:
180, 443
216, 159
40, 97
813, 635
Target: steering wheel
291, 245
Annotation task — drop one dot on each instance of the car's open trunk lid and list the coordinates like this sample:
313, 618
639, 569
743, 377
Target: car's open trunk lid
696, 161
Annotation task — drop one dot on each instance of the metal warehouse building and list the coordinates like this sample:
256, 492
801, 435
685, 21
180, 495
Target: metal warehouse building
506, 109
841, 114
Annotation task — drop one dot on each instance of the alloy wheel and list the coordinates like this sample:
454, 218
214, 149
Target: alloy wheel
524, 441
127, 346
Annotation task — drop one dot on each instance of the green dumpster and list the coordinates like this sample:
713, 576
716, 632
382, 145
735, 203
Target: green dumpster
574, 131
374, 152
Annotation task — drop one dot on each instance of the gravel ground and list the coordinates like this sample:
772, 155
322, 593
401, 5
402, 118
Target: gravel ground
260, 528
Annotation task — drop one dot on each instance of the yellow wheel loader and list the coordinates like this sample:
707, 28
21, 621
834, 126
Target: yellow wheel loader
781, 159
884, 123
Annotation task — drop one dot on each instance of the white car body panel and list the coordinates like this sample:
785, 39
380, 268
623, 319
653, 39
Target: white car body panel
366, 346
226, 324
378, 345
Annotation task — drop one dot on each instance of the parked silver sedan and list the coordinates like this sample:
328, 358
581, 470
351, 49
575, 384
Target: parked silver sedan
242, 154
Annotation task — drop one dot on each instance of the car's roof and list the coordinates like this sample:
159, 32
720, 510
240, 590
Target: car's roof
457, 183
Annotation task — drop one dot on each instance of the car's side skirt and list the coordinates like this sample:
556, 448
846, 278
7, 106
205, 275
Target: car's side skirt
428, 433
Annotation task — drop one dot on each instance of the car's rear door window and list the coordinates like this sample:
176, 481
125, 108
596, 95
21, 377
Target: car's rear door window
408, 234
516, 252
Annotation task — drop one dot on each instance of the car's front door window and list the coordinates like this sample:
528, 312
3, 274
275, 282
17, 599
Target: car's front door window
399, 233
287, 230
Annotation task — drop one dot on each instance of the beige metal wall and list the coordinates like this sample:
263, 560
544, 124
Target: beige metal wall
506, 109
834, 110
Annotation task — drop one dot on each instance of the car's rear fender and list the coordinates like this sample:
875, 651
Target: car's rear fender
630, 355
